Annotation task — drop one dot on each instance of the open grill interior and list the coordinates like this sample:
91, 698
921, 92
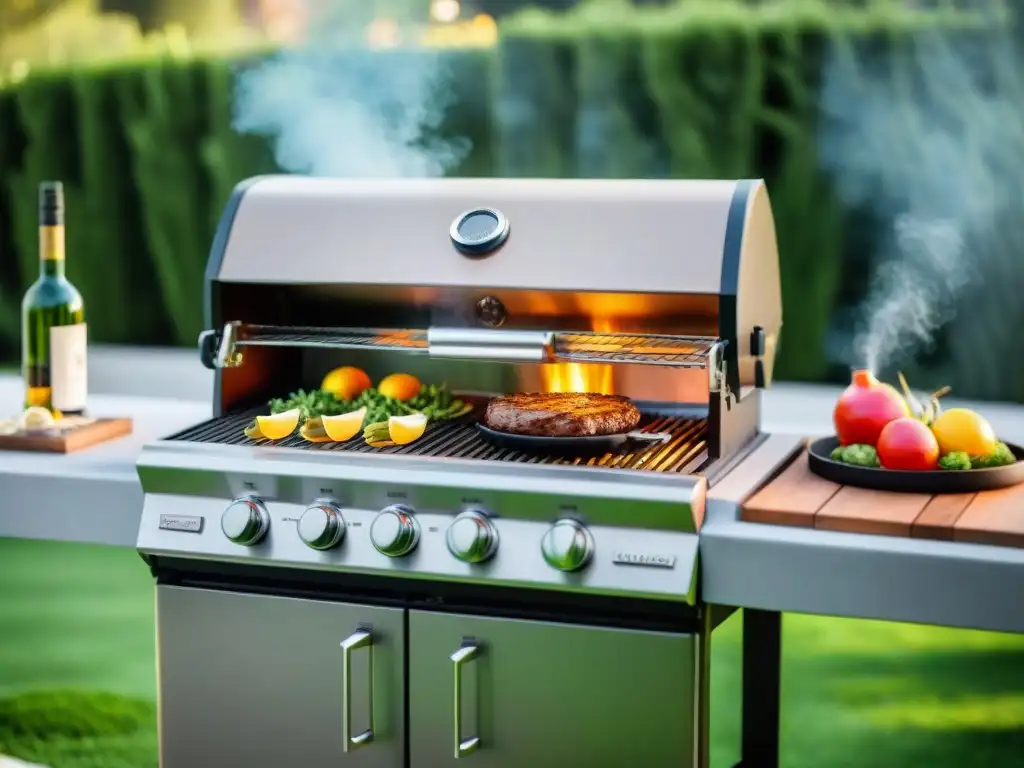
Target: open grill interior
683, 453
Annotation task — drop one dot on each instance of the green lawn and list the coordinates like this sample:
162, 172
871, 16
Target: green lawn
858, 693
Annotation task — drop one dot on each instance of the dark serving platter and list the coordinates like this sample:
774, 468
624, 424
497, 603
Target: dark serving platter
929, 481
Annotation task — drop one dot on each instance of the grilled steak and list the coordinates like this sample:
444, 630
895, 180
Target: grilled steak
562, 414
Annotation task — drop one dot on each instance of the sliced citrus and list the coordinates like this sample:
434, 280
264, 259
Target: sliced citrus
276, 427
346, 383
406, 429
36, 418
344, 427
400, 386
960, 429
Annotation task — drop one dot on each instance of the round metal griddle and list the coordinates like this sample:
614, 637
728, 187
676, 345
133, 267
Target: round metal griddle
572, 446
906, 481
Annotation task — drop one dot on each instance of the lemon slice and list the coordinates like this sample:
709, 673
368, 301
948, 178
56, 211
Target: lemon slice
406, 429
276, 427
35, 419
344, 427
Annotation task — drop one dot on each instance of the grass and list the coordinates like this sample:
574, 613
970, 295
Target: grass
77, 683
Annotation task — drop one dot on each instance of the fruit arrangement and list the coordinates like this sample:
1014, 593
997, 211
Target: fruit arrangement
395, 412
878, 426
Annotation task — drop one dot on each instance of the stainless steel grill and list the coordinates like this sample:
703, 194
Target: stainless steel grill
682, 452
302, 586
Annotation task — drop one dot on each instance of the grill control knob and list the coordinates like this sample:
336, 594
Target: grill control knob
395, 532
321, 526
472, 537
245, 521
567, 546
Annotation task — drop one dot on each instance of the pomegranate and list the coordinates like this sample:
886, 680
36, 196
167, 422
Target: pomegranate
864, 408
907, 443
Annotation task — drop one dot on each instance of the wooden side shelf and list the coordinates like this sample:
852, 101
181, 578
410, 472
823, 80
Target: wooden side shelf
74, 438
796, 496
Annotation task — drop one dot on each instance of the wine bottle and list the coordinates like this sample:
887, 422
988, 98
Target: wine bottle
53, 331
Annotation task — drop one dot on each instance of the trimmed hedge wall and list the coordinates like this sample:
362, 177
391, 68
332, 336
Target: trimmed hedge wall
718, 89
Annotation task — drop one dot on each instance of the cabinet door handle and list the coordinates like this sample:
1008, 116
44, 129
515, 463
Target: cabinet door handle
363, 638
460, 659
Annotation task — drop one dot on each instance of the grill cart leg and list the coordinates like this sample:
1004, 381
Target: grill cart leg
762, 662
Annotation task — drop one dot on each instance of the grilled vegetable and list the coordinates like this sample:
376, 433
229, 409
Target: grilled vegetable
865, 408
1000, 457
907, 443
858, 455
955, 460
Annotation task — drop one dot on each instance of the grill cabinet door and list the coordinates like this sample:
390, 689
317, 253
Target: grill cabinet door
256, 680
548, 695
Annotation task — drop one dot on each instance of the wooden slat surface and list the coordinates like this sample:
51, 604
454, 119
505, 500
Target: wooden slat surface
857, 510
67, 441
798, 497
994, 517
792, 498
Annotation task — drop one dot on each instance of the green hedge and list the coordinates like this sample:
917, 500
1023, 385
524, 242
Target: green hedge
702, 89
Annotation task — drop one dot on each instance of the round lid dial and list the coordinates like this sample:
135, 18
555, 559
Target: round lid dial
321, 526
567, 546
395, 532
472, 537
245, 521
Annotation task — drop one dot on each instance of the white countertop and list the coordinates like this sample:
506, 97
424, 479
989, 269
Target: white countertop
94, 496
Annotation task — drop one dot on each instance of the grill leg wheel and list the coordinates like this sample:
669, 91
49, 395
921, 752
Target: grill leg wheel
762, 668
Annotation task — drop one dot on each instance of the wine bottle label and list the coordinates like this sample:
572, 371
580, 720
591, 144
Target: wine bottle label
51, 243
69, 380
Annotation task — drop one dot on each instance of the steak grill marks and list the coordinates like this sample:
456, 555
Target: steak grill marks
460, 440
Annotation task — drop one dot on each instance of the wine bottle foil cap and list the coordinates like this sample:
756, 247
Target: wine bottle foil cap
51, 202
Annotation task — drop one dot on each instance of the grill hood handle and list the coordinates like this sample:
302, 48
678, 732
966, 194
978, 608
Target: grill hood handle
483, 344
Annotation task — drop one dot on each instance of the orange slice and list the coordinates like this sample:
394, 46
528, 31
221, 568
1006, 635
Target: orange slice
276, 427
406, 429
344, 427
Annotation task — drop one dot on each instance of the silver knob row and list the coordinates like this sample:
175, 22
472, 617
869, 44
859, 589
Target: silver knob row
472, 537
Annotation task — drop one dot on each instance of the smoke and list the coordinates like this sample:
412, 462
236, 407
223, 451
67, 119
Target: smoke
924, 138
333, 107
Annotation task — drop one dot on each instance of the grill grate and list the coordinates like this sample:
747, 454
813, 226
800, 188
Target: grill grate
682, 351
679, 351
460, 440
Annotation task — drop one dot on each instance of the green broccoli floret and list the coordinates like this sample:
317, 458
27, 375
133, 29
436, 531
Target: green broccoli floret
1000, 457
955, 460
857, 455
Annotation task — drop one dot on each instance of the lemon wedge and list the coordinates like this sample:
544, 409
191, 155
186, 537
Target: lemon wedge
35, 418
405, 429
313, 431
344, 427
276, 427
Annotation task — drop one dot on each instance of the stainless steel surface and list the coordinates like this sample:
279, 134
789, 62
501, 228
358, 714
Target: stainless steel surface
322, 526
227, 351
472, 537
245, 521
257, 681
535, 709
460, 440
460, 659
354, 642
488, 344
568, 546
395, 531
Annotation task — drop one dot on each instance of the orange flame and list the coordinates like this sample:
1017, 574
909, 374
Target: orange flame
580, 377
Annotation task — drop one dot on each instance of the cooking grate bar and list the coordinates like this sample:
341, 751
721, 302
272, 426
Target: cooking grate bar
338, 338
679, 351
460, 440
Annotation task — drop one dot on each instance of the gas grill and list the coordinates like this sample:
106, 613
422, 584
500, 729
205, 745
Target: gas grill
336, 604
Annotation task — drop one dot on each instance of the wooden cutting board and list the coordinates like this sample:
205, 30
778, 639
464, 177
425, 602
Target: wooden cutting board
74, 436
796, 496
